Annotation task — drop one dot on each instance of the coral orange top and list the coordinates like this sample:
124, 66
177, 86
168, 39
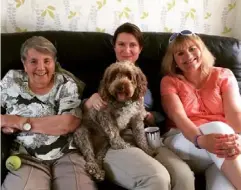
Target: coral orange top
205, 104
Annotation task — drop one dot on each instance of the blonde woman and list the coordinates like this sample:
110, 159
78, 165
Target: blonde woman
201, 103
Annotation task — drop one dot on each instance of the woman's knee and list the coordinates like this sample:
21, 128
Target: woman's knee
161, 174
159, 179
220, 128
69, 173
27, 177
132, 168
216, 127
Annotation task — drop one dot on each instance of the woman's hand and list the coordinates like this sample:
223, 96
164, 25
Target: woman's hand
229, 146
149, 119
209, 142
8, 130
95, 101
11, 123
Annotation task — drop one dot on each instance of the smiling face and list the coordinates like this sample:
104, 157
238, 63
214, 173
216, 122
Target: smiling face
127, 47
40, 68
188, 57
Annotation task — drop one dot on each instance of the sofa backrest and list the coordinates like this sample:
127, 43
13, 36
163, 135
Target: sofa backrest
87, 54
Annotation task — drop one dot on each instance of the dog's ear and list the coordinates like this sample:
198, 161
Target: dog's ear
104, 84
141, 82
102, 90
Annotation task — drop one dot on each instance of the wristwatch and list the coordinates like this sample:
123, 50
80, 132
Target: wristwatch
27, 126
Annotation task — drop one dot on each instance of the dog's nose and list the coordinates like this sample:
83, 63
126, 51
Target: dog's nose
120, 88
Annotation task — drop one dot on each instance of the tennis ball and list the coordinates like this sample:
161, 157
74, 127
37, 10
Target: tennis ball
13, 163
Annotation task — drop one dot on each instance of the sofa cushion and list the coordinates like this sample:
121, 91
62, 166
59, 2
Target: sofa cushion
87, 54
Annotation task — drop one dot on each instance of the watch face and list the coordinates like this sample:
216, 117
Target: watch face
26, 126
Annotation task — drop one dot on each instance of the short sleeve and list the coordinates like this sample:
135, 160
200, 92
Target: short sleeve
5, 84
148, 100
168, 85
69, 99
227, 80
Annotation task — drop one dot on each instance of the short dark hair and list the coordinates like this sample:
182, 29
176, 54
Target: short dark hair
131, 29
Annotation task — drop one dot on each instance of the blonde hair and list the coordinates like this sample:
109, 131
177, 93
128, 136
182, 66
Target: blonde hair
43, 45
169, 64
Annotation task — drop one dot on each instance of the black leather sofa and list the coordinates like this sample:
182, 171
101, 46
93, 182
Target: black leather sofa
87, 54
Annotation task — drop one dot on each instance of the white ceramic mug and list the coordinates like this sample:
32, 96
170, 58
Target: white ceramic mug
153, 137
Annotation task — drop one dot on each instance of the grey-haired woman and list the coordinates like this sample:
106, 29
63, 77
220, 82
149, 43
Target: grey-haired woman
42, 110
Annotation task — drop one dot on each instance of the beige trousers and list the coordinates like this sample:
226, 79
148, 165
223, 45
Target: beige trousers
133, 169
66, 173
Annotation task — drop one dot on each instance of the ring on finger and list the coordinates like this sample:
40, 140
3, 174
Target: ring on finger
232, 151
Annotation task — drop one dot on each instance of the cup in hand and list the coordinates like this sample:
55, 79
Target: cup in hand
153, 137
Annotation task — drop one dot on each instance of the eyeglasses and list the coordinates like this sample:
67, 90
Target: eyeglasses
183, 33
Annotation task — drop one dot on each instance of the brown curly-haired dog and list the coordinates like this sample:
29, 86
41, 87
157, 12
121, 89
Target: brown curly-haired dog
123, 88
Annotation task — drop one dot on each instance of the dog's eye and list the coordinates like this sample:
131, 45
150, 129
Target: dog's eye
129, 75
113, 76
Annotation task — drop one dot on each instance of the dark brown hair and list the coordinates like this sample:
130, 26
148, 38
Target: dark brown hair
131, 29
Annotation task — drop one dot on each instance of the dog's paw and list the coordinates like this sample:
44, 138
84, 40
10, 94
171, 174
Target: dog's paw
100, 175
95, 171
91, 167
127, 145
117, 146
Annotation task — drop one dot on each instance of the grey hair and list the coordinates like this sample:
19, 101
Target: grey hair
43, 45
38, 43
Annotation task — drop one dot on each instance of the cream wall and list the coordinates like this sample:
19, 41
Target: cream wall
237, 24
217, 17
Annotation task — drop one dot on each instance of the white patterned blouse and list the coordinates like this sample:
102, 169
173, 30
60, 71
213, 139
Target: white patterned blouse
17, 99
